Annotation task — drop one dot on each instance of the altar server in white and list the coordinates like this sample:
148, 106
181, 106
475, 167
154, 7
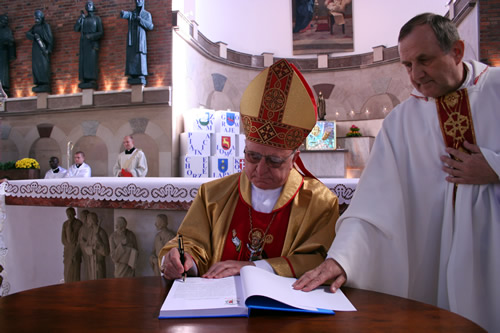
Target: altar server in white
425, 219
55, 171
131, 162
80, 169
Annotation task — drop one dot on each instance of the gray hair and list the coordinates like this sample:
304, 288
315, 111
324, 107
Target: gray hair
445, 30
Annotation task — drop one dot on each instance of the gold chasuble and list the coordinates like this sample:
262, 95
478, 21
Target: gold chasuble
312, 211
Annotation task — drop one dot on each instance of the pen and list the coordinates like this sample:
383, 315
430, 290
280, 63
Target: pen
181, 253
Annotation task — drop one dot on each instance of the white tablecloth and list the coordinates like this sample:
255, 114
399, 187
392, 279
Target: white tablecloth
149, 189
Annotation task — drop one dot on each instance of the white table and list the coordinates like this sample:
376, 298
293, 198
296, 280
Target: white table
32, 212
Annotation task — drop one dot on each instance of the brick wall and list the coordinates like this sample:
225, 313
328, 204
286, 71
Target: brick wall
489, 32
61, 15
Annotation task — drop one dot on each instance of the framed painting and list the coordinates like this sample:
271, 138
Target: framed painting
322, 26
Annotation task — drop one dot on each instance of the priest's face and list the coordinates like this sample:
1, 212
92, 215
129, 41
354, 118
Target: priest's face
53, 162
432, 71
264, 173
79, 158
128, 143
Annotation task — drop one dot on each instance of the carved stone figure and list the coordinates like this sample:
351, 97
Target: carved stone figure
83, 216
161, 238
124, 250
321, 106
72, 254
139, 21
7, 52
43, 42
94, 243
90, 28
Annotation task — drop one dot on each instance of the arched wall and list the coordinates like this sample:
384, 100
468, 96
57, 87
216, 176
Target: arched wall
353, 87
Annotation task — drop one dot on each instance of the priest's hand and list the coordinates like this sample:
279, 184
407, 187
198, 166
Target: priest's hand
171, 266
328, 270
226, 268
469, 168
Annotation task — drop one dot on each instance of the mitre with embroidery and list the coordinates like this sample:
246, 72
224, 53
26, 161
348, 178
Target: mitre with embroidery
278, 108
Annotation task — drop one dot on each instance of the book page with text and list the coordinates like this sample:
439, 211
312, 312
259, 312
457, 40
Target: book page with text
199, 293
259, 282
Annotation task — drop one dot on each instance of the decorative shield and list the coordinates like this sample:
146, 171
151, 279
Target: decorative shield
226, 142
222, 165
230, 118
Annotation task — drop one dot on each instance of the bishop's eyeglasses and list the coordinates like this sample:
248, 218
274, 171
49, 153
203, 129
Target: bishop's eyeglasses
271, 160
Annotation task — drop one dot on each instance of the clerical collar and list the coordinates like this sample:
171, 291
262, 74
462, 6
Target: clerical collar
56, 170
128, 152
78, 165
264, 200
467, 76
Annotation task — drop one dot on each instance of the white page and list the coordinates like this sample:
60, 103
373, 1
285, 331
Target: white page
257, 281
199, 293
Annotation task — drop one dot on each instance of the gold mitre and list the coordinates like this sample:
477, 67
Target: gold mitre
278, 108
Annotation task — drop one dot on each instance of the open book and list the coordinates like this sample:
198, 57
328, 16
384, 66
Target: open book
256, 288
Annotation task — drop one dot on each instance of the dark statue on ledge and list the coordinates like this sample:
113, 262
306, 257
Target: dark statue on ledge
90, 28
7, 52
41, 36
321, 106
139, 21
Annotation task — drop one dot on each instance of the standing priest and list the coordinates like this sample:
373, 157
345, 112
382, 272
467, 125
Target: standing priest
270, 215
425, 220
131, 162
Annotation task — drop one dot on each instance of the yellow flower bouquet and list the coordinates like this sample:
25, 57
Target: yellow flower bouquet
27, 163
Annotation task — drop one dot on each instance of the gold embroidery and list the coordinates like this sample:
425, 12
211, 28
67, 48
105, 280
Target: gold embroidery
456, 126
451, 99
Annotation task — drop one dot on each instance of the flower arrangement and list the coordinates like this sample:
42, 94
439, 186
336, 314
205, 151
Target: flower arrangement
27, 163
354, 131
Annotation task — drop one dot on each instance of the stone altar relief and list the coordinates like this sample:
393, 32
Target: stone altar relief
94, 244
72, 255
124, 250
162, 237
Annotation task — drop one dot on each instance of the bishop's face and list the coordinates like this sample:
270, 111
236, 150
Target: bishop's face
263, 174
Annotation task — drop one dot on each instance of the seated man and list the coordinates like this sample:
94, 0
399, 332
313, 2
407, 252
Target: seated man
131, 162
336, 9
80, 169
55, 171
269, 215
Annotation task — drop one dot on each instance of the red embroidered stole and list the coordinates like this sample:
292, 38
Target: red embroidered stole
238, 240
455, 120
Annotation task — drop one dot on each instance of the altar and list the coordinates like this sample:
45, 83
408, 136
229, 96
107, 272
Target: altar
32, 212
